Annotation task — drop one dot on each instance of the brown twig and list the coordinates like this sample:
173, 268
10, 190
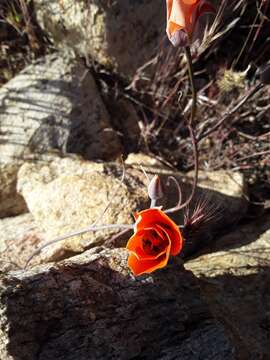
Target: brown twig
179, 190
229, 113
260, 153
76, 233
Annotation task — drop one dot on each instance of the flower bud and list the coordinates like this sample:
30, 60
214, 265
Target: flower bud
155, 190
265, 74
183, 17
179, 38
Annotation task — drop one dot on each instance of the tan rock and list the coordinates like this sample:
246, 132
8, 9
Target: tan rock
226, 182
149, 163
122, 35
11, 203
240, 252
19, 238
66, 195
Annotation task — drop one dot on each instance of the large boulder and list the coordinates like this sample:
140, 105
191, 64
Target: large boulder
90, 307
66, 195
122, 34
54, 104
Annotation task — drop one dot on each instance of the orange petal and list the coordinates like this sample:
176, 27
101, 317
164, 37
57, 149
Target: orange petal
139, 267
153, 217
134, 242
190, 2
134, 245
150, 217
175, 238
179, 15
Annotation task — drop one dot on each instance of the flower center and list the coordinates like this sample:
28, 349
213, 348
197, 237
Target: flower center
153, 243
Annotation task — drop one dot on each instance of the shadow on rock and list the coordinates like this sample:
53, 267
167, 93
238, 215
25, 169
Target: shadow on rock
242, 304
91, 307
235, 281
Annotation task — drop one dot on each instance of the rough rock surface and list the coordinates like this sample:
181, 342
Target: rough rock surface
91, 307
127, 122
11, 203
121, 34
54, 104
19, 237
67, 195
235, 281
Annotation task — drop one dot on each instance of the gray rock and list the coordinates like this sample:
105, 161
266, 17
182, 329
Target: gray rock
122, 34
235, 280
54, 104
90, 307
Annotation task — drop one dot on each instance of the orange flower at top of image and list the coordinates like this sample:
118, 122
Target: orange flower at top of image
183, 20
155, 238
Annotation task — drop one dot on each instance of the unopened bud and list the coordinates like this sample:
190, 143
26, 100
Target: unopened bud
265, 74
155, 190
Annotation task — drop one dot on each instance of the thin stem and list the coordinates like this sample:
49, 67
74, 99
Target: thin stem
192, 83
76, 233
192, 135
179, 190
196, 172
111, 242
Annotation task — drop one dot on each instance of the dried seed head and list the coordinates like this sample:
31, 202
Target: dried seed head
265, 74
230, 80
155, 190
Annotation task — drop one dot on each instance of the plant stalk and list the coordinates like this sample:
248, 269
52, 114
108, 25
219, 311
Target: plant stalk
192, 84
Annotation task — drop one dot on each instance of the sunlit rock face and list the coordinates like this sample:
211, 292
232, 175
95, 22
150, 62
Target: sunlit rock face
122, 35
54, 104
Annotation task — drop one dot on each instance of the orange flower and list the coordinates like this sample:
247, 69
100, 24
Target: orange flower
183, 19
155, 238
